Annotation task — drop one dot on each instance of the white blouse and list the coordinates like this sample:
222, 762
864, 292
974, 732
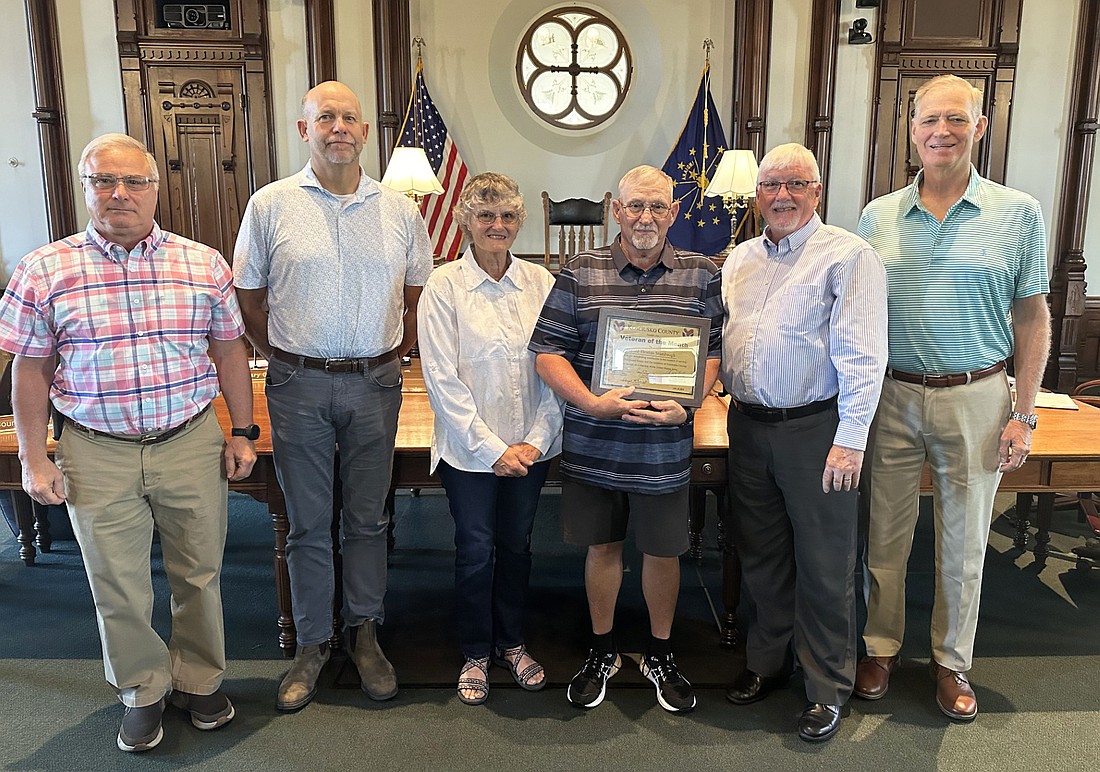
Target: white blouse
481, 380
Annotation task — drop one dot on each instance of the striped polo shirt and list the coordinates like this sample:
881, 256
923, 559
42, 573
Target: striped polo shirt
613, 453
952, 284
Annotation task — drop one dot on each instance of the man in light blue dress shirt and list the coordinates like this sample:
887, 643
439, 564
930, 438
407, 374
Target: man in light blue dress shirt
803, 352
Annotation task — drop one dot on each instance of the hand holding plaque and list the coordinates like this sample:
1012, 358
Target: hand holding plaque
663, 356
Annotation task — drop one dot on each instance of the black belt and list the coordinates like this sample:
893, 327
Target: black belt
142, 439
940, 381
344, 365
776, 414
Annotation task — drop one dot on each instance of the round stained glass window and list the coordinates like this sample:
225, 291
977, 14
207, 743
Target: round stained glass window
573, 68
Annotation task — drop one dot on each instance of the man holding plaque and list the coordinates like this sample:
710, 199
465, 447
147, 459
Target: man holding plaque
628, 458
803, 352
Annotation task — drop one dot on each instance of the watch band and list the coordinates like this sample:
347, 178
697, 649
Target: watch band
1025, 418
250, 432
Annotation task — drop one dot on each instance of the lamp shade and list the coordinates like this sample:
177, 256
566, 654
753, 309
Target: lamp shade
735, 175
410, 173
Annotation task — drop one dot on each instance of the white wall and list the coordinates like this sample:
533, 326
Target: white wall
289, 77
92, 81
23, 225
469, 66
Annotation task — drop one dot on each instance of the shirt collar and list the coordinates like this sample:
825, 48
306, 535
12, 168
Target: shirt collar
367, 186
144, 248
794, 241
972, 195
473, 275
618, 256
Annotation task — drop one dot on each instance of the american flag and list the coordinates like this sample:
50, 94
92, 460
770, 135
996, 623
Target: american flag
424, 128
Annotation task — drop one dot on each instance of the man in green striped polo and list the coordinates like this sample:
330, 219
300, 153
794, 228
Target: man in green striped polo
966, 264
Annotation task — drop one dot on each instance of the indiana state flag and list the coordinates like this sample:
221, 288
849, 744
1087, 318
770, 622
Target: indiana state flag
703, 224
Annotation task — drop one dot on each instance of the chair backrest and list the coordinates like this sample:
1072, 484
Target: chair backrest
578, 221
1087, 389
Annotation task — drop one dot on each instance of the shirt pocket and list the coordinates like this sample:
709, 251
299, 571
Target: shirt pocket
802, 309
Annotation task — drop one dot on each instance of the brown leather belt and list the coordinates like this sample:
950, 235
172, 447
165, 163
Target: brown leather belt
940, 381
344, 365
776, 414
142, 439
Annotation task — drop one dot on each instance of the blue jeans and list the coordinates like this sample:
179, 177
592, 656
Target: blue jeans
493, 519
312, 412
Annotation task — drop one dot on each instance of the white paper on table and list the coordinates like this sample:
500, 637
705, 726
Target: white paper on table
1055, 400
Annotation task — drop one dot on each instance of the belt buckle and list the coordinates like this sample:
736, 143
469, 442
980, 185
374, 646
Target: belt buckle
146, 439
343, 365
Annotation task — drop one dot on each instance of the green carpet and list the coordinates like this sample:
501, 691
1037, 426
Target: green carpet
1036, 674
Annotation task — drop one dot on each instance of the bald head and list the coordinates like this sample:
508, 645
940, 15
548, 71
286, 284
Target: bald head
326, 90
332, 124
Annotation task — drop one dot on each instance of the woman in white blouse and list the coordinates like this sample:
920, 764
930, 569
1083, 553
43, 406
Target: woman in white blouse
497, 425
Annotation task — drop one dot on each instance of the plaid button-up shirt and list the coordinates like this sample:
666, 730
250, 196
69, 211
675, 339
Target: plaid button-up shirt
130, 328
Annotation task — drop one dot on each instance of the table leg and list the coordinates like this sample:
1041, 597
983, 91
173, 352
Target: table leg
1044, 514
697, 519
1023, 512
42, 527
25, 519
277, 507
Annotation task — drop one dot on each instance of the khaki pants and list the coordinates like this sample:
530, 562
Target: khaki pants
116, 492
957, 429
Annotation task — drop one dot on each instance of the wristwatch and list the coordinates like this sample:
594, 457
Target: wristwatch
1024, 418
250, 432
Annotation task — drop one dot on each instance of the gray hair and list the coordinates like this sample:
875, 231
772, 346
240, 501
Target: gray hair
641, 175
488, 189
974, 95
121, 141
790, 154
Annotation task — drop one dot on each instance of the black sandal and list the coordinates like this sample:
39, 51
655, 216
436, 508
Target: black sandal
480, 686
510, 659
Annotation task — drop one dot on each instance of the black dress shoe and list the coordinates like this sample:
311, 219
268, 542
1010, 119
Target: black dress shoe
819, 722
750, 687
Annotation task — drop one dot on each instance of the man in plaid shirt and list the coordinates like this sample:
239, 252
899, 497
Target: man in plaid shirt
130, 332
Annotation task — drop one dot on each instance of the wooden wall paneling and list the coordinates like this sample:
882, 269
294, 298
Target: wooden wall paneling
393, 72
752, 53
320, 41
1067, 290
49, 114
822, 81
919, 39
199, 100
1088, 342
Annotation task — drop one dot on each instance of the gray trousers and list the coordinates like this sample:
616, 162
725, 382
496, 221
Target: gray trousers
312, 413
798, 550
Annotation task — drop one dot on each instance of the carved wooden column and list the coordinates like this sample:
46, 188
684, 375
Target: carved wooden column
49, 112
822, 81
320, 41
1067, 287
393, 71
752, 52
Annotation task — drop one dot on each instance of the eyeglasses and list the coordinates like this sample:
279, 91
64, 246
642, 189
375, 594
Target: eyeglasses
110, 181
488, 218
794, 187
657, 209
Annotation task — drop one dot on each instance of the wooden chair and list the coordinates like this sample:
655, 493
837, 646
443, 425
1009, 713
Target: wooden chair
1085, 502
578, 220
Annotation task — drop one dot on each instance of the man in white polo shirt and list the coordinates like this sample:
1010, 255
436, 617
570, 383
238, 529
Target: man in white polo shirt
966, 264
329, 266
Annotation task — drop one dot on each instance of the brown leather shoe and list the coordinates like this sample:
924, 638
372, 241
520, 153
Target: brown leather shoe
873, 676
954, 696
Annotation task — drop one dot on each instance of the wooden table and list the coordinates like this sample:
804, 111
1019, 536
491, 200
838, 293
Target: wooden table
1065, 456
412, 456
